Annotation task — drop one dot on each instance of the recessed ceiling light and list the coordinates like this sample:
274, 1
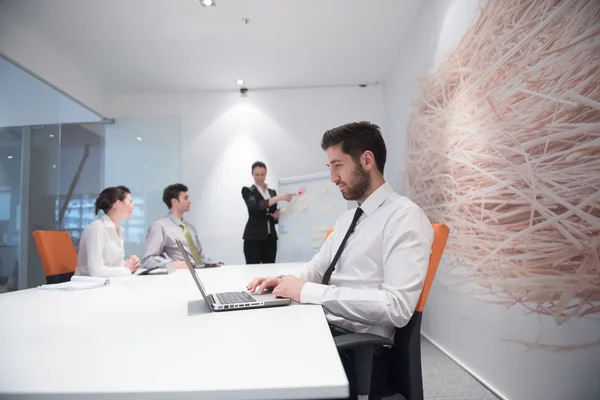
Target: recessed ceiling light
51, 135
240, 82
54, 166
208, 3
139, 138
9, 157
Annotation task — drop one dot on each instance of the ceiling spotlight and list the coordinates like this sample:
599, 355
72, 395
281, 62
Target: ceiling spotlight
208, 3
139, 138
51, 135
240, 82
9, 157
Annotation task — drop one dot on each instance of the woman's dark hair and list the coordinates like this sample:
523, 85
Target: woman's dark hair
109, 197
259, 164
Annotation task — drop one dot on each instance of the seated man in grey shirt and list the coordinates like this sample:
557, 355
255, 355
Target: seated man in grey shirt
161, 247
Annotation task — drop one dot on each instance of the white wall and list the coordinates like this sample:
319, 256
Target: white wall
223, 134
436, 30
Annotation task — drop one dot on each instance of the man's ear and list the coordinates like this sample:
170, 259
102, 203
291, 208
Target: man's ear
368, 160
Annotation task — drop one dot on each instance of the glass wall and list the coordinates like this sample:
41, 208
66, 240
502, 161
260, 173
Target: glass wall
65, 177
81, 177
10, 201
143, 154
55, 158
42, 141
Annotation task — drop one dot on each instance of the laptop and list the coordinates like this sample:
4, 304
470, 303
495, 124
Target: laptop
164, 269
206, 265
227, 301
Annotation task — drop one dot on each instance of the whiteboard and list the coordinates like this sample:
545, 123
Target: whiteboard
304, 222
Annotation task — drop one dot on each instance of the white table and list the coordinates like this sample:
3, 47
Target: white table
152, 337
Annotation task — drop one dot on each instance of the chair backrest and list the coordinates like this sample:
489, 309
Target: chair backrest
406, 375
440, 237
329, 232
57, 253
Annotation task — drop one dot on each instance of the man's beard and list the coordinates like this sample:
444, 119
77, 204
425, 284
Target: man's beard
361, 182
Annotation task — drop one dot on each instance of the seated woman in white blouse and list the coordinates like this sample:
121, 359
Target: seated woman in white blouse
101, 249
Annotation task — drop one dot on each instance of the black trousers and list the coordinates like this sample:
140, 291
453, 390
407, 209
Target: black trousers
260, 251
378, 373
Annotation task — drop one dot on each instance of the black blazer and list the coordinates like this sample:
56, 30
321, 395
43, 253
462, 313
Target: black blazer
258, 214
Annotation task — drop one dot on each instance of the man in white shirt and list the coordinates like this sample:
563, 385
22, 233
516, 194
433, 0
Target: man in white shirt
369, 273
372, 285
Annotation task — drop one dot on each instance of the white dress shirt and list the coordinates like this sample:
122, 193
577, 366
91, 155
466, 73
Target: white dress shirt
266, 195
379, 277
101, 250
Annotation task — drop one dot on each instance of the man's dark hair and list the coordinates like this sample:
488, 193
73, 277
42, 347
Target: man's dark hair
258, 164
109, 196
356, 138
172, 192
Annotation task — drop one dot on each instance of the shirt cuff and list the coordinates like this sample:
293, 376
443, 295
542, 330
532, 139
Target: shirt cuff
312, 293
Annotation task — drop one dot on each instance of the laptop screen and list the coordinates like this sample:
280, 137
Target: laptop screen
188, 262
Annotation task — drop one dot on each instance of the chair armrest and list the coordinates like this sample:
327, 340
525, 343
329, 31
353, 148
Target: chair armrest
354, 340
362, 347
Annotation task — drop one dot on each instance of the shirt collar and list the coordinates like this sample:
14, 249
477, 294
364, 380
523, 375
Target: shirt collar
109, 223
175, 219
376, 198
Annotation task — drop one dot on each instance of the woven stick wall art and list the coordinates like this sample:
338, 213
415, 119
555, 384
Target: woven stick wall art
504, 147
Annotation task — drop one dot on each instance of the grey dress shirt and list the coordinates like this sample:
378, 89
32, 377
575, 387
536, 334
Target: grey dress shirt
161, 247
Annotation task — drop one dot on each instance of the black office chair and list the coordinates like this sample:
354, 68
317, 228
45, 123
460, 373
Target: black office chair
404, 374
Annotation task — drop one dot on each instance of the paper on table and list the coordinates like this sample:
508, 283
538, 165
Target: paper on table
77, 282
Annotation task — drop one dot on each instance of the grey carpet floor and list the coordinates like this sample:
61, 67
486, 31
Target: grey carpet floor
444, 379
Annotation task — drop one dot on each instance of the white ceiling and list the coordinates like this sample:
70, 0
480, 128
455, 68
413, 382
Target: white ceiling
133, 46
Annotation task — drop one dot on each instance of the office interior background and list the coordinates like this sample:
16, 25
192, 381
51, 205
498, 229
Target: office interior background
493, 102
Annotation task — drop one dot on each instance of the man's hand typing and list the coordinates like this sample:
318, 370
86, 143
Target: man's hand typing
259, 285
289, 287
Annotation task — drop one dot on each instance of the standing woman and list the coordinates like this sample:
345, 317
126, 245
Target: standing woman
101, 248
260, 238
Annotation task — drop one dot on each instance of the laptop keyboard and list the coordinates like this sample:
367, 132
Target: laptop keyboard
235, 298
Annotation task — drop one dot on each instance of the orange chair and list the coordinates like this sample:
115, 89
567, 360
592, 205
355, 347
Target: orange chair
57, 253
329, 232
405, 374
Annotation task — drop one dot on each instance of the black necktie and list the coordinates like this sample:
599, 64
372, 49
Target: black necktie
331, 268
